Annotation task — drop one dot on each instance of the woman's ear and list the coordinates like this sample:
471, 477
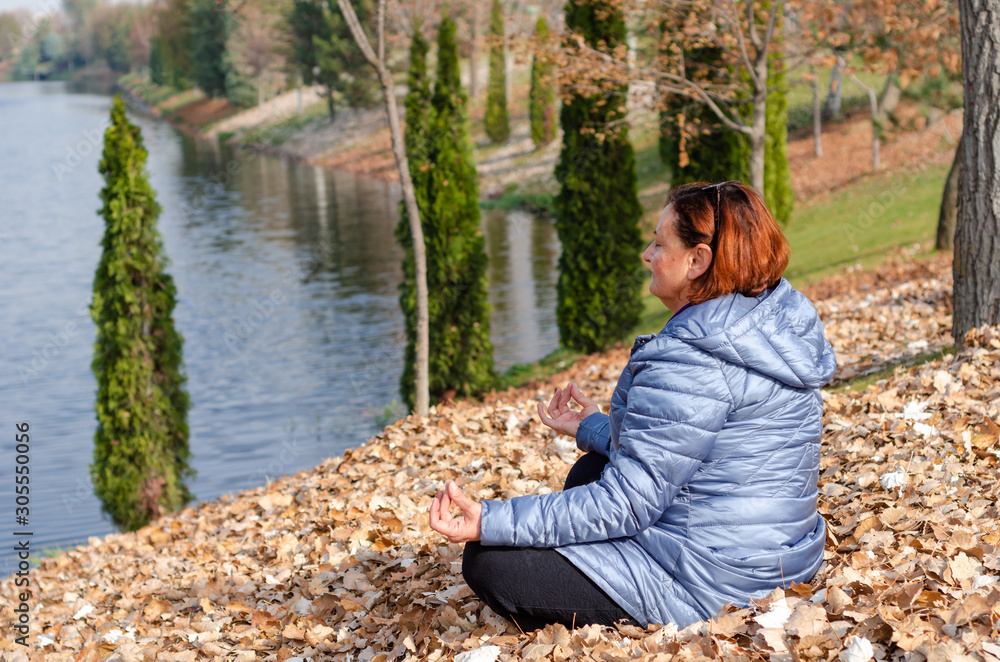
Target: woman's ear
701, 259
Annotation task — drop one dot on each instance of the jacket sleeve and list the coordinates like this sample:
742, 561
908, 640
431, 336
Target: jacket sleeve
674, 413
594, 434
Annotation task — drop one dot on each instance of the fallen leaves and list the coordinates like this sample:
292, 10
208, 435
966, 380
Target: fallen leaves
339, 563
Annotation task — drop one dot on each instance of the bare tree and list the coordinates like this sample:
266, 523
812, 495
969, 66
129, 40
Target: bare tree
255, 43
378, 61
141, 34
745, 38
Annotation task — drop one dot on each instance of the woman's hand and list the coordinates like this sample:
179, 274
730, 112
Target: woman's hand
464, 529
563, 419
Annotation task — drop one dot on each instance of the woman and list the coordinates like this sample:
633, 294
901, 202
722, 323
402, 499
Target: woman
700, 488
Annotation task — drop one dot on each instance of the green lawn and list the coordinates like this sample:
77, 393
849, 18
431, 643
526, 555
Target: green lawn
861, 222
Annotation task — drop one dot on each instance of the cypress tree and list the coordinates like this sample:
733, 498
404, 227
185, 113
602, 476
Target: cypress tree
341, 64
777, 175
156, 61
416, 139
141, 444
597, 206
447, 190
777, 191
497, 122
542, 98
209, 25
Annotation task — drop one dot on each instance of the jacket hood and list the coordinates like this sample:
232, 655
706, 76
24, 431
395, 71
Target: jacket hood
777, 333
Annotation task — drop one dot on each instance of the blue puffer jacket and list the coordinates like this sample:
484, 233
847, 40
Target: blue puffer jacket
710, 494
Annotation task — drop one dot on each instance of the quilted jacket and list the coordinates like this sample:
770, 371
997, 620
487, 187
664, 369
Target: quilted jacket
713, 437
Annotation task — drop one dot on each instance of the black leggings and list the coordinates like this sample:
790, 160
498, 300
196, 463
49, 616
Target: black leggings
534, 586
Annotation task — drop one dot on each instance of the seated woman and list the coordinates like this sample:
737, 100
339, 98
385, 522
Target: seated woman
700, 488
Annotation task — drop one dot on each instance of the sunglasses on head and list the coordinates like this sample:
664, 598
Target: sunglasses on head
718, 200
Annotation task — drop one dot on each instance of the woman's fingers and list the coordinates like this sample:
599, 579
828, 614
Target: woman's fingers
467, 528
458, 496
567, 395
461, 529
436, 513
441, 519
581, 398
554, 404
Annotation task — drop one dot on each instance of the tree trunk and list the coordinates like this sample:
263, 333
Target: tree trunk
329, 102
817, 116
298, 92
509, 65
876, 121
757, 146
890, 97
758, 133
831, 108
949, 205
422, 399
976, 267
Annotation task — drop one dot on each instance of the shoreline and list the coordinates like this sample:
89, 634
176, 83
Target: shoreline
356, 141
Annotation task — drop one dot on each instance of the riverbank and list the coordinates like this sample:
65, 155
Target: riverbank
338, 562
356, 140
845, 212
847, 216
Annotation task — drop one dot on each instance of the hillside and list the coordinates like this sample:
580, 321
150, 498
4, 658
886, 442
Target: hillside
338, 562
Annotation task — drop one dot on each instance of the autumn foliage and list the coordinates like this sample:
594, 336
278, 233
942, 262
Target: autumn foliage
339, 561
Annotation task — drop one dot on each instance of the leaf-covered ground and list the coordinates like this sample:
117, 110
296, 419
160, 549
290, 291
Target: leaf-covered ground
338, 562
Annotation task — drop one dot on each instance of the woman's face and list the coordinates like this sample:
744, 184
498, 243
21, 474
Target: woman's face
674, 266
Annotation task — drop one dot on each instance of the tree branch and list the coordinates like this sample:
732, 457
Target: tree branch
734, 23
359, 34
381, 30
674, 83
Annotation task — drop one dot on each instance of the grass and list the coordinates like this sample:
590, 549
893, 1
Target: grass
279, 132
50, 552
862, 382
535, 203
800, 109
860, 223
522, 373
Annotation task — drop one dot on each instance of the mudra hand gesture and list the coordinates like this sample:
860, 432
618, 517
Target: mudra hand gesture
467, 528
563, 419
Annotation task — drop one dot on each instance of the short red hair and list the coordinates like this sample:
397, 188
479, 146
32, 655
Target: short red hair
749, 255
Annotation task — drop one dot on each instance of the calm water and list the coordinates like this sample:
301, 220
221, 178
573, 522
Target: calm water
287, 300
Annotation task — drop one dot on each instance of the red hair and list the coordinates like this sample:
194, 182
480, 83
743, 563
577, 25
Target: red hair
749, 254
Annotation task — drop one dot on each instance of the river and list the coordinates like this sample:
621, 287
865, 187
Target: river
287, 280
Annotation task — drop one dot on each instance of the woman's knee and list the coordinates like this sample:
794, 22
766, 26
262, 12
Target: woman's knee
477, 568
586, 470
